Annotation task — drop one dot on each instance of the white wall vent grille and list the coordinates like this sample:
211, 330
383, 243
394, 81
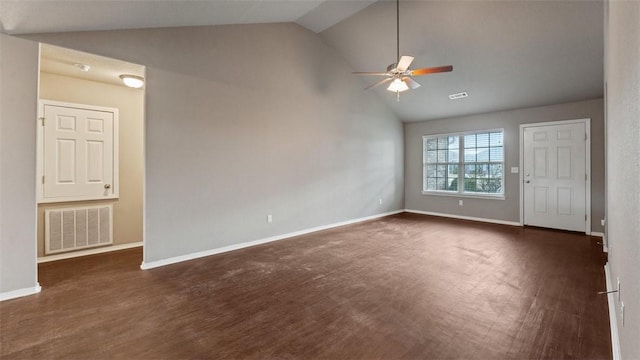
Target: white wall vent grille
68, 229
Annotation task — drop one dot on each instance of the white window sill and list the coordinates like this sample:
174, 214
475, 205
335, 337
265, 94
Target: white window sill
464, 195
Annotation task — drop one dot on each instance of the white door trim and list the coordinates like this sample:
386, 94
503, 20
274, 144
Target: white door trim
40, 151
587, 126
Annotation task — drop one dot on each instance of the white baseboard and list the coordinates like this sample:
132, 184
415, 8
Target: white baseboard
20, 293
493, 221
99, 250
597, 234
177, 259
613, 319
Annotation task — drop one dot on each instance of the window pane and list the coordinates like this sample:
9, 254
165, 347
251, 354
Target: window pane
453, 170
432, 144
442, 171
469, 184
469, 155
469, 171
443, 142
495, 171
432, 156
491, 186
482, 170
442, 156
469, 141
431, 184
442, 184
431, 171
453, 183
453, 142
482, 140
495, 139
496, 154
482, 155
453, 156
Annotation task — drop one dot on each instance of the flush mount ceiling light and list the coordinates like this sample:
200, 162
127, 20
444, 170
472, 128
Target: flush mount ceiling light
132, 81
82, 67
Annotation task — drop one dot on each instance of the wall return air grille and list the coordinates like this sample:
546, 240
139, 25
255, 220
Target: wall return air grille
68, 229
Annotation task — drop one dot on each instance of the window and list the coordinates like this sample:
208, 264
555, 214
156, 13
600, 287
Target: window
475, 160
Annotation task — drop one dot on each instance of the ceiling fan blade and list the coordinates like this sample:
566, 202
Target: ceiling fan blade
368, 73
433, 70
404, 63
378, 83
411, 83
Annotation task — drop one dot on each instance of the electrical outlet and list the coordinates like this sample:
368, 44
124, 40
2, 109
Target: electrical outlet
602, 222
269, 218
380, 201
460, 202
622, 313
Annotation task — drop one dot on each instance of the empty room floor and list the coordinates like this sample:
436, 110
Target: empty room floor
401, 287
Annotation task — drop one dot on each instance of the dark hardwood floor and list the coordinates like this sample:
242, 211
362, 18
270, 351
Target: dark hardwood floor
401, 287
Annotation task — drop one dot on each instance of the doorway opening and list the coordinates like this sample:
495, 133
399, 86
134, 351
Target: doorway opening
90, 155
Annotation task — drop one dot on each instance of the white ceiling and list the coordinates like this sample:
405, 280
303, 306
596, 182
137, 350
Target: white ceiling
43, 16
505, 54
61, 61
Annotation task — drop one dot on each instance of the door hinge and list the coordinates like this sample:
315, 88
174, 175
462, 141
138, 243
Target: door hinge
43, 179
586, 177
42, 119
585, 136
585, 217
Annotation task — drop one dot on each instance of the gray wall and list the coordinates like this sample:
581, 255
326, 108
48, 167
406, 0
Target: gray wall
623, 166
18, 102
248, 120
508, 209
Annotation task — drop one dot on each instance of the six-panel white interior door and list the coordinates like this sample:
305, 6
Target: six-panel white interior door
555, 176
79, 152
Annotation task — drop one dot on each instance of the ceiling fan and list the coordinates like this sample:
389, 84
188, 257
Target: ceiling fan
398, 73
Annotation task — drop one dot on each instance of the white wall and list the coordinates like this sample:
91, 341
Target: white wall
508, 209
127, 210
18, 102
248, 120
623, 165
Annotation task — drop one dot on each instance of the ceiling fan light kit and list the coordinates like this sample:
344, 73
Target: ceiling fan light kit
398, 73
398, 85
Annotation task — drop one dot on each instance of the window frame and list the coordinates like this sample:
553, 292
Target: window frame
461, 164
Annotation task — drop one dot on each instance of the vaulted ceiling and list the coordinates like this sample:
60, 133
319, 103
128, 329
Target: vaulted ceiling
505, 54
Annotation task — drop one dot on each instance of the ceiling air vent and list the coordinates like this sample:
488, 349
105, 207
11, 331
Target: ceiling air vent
458, 95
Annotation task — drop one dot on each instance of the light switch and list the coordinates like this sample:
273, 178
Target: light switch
514, 170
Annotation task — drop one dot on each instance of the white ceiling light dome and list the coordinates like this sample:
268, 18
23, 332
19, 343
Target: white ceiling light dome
132, 81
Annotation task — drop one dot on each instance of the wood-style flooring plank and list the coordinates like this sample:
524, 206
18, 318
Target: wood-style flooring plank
402, 287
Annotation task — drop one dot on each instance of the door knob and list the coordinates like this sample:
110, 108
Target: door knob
526, 181
107, 186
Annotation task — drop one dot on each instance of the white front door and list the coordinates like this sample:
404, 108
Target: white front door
78, 153
555, 176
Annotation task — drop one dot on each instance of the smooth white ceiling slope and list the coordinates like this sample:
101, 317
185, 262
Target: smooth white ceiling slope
43, 16
506, 54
